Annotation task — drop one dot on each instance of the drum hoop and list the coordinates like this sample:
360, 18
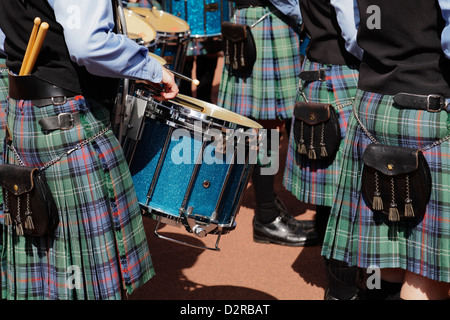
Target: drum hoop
163, 111
177, 220
130, 14
204, 37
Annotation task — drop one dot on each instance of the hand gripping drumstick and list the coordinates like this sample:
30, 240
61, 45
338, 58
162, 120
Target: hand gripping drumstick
36, 47
183, 77
37, 22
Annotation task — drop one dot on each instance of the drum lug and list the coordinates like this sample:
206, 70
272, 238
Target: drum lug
200, 229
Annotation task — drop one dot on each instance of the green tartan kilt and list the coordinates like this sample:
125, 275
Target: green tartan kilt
100, 236
360, 237
269, 91
314, 181
3, 102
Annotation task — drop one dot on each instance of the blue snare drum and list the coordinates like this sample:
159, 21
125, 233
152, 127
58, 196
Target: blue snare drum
190, 162
204, 17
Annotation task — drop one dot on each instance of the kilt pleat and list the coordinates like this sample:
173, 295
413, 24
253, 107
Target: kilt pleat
100, 235
360, 237
269, 92
314, 181
3, 102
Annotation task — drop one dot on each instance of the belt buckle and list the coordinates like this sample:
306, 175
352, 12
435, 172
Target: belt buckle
322, 75
59, 103
63, 121
441, 102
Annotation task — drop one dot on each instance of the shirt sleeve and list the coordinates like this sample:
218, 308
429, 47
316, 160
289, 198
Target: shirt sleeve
89, 34
445, 38
2, 43
348, 18
290, 8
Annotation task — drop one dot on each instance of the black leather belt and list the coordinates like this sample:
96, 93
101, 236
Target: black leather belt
317, 75
63, 121
242, 4
32, 88
56, 101
430, 102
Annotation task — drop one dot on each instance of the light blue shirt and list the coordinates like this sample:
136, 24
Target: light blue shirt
2, 41
349, 21
445, 38
88, 30
290, 8
348, 18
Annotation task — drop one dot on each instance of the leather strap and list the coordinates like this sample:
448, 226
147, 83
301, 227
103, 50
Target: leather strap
33, 88
431, 102
317, 75
63, 121
51, 101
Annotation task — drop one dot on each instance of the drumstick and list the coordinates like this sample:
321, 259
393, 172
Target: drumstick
183, 77
36, 47
37, 22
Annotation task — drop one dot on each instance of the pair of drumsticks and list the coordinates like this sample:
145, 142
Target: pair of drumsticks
34, 46
35, 42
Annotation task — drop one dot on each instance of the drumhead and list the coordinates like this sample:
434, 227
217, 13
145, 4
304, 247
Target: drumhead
137, 25
214, 111
161, 60
162, 21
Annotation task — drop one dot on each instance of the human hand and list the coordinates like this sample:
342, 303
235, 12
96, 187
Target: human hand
169, 87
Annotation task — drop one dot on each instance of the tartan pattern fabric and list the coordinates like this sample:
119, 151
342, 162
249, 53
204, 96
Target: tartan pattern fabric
358, 236
100, 235
314, 181
3, 102
269, 92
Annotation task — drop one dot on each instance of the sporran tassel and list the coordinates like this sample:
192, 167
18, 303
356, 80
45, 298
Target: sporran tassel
19, 229
242, 56
227, 52
235, 63
29, 221
301, 144
312, 153
409, 210
377, 201
393, 211
8, 220
301, 147
323, 150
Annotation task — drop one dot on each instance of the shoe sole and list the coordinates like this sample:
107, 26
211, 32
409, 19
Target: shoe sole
259, 239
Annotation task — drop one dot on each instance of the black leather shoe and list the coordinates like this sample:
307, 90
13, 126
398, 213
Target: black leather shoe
304, 224
282, 231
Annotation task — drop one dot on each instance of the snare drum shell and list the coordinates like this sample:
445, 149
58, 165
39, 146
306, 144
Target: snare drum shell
168, 194
204, 17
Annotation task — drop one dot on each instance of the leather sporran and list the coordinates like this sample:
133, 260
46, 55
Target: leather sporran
396, 181
238, 46
316, 130
28, 202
